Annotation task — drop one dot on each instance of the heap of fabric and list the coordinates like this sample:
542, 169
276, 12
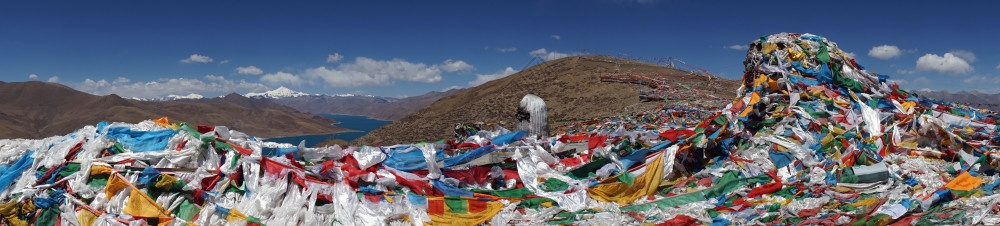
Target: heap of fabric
812, 139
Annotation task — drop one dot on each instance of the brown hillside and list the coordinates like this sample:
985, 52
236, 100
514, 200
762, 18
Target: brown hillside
406, 106
39, 109
570, 86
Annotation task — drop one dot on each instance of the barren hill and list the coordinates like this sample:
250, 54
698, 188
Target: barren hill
971, 98
39, 109
571, 88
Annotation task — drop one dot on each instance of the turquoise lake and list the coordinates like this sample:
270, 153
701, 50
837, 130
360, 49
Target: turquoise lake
362, 124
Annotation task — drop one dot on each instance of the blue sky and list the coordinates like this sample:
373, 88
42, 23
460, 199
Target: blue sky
406, 48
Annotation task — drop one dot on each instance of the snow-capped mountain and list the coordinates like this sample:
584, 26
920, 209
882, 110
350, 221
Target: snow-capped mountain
170, 97
189, 96
280, 92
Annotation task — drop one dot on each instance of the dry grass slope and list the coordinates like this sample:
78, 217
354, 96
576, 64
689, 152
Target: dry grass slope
570, 86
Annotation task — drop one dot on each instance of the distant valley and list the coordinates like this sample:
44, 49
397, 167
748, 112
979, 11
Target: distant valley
384, 108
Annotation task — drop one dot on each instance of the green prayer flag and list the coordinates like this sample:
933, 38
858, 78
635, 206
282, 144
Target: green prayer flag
70, 168
553, 184
586, 169
48, 217
626, 178
456, 204
511, 193
186, 210
533, 202
98, 181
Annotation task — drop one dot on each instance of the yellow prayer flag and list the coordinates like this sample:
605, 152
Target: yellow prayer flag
166, 123
86, 218
235, 215
964, 182
10, 212
165, 181
452, 218
99, 169
795, 55
908, 105
625, 194
162, 121
140, 205
115, 184
769, 48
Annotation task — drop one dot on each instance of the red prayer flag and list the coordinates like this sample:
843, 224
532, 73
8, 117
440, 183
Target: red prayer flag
435, 206
596, 141
205, 129
476, 206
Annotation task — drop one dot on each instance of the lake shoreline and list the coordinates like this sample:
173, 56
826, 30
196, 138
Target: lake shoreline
313, 134
355, 125
368, 117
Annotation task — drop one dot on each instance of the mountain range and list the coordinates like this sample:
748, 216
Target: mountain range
280, 92
384, 108
40, 109
377, 107
971, 98
570, 86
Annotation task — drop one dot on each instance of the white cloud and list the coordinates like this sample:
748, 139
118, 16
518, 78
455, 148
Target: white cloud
249, 70
333, 58
54, 79
342, 78
968, 56
922, 79
451, 88
223, 62
556, 37
395, 69
95, 87
998, 66
738, 47
546, 55
35, 77
505, 50
281, 78
369, 72
214, 86
121, 80
978, 79
949, 63
480, 79
195, 58
884, 52
851, 55
905, 72
453, 66
896, 81
216, 78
